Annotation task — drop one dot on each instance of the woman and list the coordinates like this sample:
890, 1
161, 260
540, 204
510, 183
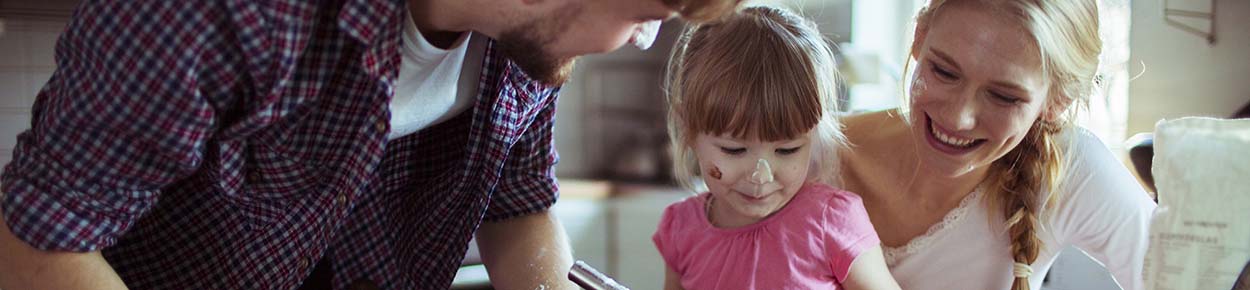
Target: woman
981, 180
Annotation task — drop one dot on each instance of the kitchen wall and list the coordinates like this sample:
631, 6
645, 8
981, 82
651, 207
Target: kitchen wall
25, 65
616, 99
610, 120
1182, 74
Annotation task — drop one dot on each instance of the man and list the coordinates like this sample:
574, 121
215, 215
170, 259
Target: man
282, 144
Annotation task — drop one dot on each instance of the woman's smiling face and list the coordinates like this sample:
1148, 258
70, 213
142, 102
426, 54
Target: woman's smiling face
977, 90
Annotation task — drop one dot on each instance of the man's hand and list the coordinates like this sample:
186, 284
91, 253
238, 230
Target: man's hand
526, 252
23, 267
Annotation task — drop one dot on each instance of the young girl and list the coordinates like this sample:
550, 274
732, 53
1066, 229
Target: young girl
750, 103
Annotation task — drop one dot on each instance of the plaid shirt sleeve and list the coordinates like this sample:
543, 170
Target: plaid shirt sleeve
121, 117
528, 181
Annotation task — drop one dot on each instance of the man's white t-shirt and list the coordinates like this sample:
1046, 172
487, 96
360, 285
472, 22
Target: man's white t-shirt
434, 84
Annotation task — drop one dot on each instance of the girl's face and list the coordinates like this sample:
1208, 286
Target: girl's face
977, 89
751, 179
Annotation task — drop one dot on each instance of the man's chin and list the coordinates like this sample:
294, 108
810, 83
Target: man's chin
538, 65
556, 75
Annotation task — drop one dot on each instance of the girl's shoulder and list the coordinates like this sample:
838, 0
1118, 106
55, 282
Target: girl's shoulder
843, 221
686, 208
829, 200
820, 191
684, 215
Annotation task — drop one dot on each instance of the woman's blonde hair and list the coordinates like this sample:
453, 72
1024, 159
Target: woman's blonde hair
1066, 33
762, 72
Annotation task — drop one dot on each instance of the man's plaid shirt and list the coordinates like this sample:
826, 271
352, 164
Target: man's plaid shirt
230, 144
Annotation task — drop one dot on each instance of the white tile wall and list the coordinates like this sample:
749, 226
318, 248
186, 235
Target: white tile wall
13, 43
26, 63
5, 156
42, 43
36, 78
12, 123
14, 91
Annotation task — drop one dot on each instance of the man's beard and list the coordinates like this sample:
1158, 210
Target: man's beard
524, 45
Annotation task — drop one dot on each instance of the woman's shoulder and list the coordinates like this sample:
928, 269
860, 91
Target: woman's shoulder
864, 125
1080, 138
876, 140
1094, 182
1084, 153
1098, 199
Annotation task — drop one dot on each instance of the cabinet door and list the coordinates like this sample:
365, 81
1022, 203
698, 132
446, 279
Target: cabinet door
585, 222
637, 214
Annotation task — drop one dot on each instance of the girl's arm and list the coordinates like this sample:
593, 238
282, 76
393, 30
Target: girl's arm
868, 271
672, 281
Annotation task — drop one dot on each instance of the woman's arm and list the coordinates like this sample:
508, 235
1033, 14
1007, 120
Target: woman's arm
672, 281
868, 271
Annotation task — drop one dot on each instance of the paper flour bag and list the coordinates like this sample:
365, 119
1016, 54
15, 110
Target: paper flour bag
1200, 238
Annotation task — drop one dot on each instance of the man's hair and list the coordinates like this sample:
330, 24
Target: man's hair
703, 10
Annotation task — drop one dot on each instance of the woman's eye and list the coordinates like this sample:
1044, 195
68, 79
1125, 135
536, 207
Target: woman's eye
788, 151
1006, 99
733, 151
943, 73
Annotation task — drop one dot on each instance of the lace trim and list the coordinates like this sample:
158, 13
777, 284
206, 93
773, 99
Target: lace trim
893, 254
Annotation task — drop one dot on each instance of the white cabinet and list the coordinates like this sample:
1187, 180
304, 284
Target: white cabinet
614, 234
639, 264
609, 227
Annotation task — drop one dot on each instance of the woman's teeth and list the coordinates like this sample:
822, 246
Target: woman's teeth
950, 140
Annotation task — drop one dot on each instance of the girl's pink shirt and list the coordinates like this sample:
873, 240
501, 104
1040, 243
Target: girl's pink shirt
809, 244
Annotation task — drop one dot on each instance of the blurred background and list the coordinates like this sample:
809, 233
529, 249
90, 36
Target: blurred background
1163, 59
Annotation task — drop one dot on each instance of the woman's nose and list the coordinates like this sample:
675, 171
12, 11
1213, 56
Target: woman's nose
961, 111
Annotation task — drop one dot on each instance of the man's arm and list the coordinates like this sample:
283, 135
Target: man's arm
128, 111
526, 252
24, 267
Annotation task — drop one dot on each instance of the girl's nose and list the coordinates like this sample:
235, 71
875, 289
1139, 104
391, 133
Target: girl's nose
763, 172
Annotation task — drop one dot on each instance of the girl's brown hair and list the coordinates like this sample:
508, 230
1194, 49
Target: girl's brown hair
762, 72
